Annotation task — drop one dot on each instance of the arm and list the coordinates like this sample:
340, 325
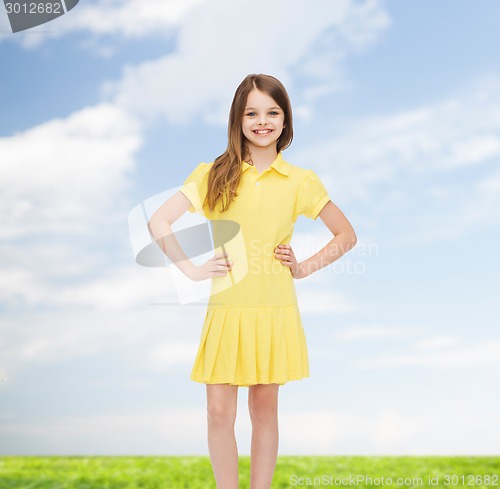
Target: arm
344, 240
160, 229
159, 226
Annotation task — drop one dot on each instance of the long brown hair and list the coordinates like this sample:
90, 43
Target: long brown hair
225, 174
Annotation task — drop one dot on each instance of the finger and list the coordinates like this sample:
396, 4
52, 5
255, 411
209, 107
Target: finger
223, 259
215, 273
219, 273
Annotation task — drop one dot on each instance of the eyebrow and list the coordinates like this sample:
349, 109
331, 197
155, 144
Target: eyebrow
253, 108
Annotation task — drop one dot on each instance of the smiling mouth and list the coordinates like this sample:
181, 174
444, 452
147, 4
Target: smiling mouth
263, 131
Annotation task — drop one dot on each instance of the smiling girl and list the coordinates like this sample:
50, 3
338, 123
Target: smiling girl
253, 334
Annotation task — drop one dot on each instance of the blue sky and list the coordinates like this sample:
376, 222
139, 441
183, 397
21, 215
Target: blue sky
396, 108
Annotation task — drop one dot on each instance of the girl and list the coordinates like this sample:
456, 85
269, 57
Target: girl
252, 335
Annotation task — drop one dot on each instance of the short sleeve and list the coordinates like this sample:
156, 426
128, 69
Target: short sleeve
312, 196
195, 187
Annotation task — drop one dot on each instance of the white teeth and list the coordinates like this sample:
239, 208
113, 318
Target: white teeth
263, 131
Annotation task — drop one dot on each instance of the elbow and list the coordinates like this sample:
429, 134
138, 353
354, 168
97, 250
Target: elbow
158, 226
151, 227
353, 239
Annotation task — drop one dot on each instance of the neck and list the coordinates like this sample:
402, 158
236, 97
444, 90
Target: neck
261, 156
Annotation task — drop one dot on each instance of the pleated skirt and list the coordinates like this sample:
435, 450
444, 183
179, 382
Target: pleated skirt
246, 346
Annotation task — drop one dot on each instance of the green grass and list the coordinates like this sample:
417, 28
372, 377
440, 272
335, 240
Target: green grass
80, 472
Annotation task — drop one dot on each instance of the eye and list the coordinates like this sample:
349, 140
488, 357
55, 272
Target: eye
273, 112
250, 113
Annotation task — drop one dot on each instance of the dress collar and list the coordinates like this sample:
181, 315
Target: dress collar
279, 164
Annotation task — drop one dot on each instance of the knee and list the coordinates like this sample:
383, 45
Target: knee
262, 412
221, 414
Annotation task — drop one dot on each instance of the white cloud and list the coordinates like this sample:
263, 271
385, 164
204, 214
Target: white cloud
389, 431
151, 335
108, 289
316, 293
62, 184
436, 342
170, 431
131, 19
174, 352
217, 47
426, 140
64, 174
321, 431
475, 149
361, 332
480, 354
482, 202
315, 300
415, 172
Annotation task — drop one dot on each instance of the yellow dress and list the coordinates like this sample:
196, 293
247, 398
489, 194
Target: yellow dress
252, 332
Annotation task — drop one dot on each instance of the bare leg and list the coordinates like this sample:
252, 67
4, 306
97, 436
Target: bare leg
221, 415
263, 407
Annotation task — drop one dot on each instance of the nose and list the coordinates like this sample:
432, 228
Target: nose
263, 120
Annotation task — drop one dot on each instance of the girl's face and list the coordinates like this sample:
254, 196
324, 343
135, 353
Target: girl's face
263, 120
